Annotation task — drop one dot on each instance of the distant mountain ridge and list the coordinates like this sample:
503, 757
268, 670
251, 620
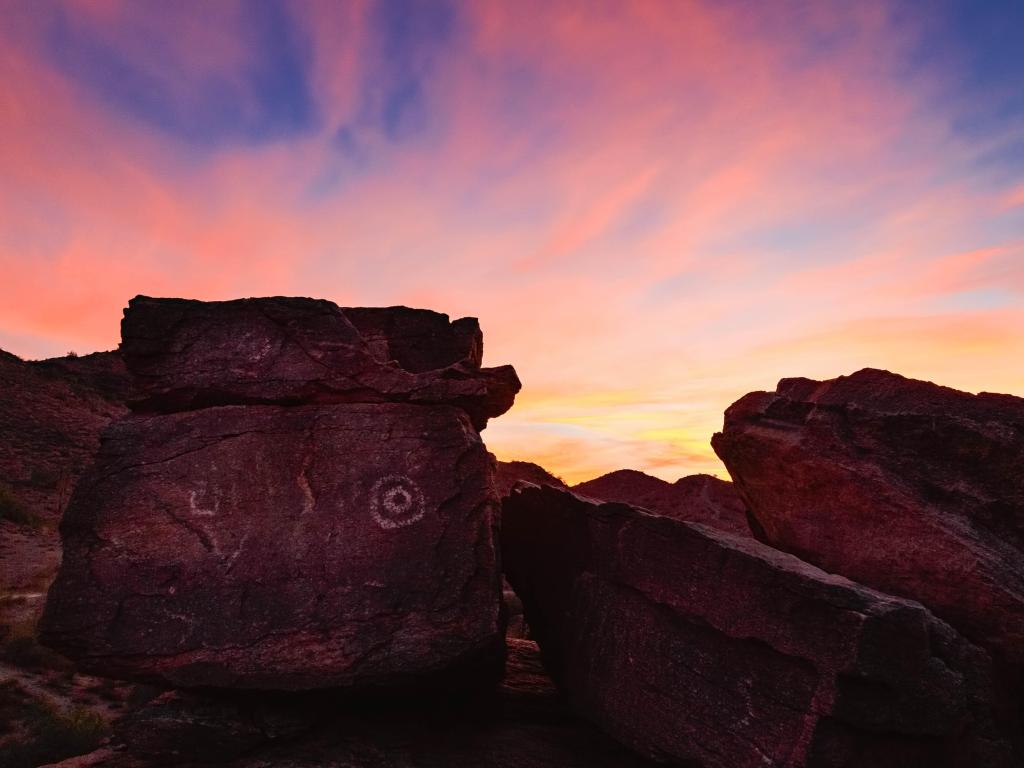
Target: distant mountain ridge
694, 498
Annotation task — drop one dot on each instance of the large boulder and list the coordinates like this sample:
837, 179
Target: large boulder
706, 649
694, 498
322, 530
903, 485
282, 548
189, 354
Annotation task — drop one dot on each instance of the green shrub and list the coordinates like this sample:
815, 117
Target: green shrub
13, 510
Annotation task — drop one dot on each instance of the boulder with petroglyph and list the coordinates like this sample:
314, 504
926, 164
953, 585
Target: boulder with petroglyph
279, 543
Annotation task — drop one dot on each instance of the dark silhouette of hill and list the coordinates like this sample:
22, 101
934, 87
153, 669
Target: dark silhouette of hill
694, 498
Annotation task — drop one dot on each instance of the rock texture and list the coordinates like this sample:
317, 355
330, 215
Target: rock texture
191, 354
707, 649
286, 546
511, 472
903, 485
694, 498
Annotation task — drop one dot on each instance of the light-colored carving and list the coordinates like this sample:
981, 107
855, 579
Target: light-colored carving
396, 501
198, 511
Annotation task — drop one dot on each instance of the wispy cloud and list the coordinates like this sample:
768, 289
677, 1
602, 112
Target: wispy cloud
652, 207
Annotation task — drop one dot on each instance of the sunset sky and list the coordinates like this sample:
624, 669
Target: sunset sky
652, 207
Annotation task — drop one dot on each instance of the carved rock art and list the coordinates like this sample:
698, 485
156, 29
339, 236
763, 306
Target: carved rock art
243, 528
396, 501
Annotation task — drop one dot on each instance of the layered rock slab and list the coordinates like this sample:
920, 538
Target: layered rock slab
190, 354
284, 548
694, 498
706, 649
903, 485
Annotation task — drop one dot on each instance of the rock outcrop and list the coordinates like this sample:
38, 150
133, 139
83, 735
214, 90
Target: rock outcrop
511, 472
190, 354
707, 649
51, 417
694, 498
903, 485
293, 540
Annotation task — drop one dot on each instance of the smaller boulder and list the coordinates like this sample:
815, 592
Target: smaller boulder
701, 648
903, 485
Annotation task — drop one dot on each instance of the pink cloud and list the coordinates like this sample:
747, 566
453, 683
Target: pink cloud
653, 208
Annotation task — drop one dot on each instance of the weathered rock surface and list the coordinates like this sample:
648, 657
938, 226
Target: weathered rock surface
525, 724
903, 485
511, 472
708, 649
694, 498
283, 548
191, 354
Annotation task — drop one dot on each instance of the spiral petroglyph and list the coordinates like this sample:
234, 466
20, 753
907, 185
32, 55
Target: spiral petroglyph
396, 501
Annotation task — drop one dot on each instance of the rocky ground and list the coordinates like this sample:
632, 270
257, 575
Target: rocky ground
47, 709
524, 723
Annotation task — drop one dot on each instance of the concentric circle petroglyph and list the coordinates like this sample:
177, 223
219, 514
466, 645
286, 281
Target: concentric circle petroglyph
396, 501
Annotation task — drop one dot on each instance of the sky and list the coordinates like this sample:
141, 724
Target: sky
653, 207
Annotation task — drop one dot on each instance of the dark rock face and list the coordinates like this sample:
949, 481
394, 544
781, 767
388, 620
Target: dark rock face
511, 472
903, 485
694, 498
191, 354
273, 547
292, 545
713, 650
